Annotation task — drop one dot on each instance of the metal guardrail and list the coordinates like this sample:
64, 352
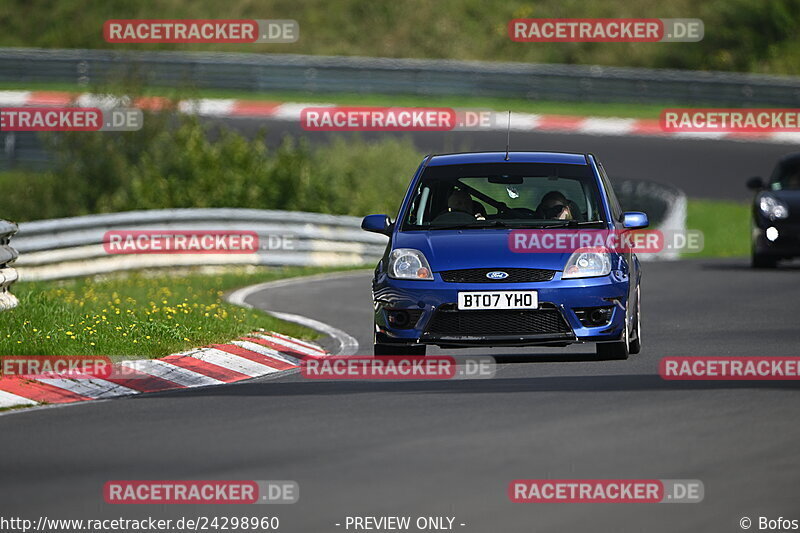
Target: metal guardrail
8, 275
665, 206
68, 247
360, 75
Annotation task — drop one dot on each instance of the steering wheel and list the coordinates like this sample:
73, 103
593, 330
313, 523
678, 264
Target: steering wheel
522, 212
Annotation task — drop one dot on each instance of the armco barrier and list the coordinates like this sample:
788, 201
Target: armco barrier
665, 206
8, 275
60, 248
363, 75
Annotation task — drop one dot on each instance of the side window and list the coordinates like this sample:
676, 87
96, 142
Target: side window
616, 209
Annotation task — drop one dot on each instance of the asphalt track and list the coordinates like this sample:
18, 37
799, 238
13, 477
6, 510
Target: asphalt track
702, 168
450, 448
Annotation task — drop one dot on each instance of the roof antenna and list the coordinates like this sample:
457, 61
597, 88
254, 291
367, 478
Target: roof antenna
508, 134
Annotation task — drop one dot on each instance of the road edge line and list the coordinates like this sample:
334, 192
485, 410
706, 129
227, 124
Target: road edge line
348, 345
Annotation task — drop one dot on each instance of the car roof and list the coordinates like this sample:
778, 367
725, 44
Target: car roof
565, 158
790, 159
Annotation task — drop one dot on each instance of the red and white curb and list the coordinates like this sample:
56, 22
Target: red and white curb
255, 355
290, 111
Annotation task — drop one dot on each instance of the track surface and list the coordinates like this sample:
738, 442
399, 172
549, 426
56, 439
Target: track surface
450, 448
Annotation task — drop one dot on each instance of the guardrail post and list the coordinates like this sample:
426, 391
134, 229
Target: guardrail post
10, 148
8, 275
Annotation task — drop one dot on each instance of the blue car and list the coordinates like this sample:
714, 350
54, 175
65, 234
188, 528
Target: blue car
451, 275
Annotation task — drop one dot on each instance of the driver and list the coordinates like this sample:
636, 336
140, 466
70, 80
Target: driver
554, 205
791, 181
460, 201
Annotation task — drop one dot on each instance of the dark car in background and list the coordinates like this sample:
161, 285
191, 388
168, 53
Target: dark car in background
776, 214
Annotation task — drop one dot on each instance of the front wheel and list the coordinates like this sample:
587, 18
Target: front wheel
617, 350
399, 349
636, 342
763, 261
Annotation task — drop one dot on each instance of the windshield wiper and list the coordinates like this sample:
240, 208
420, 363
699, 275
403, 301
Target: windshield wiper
482, 224
570, 224
485, 224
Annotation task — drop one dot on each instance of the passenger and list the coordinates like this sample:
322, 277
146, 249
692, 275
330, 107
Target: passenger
554, 205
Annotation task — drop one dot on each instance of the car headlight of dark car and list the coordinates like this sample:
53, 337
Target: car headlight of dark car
772, 207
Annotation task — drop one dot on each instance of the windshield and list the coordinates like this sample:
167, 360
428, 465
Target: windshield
504, 194
786, 176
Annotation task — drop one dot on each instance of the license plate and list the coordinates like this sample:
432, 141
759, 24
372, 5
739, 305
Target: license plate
497, 300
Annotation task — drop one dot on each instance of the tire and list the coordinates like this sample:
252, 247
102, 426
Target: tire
399, 349
618, 350
763, 261
635, 346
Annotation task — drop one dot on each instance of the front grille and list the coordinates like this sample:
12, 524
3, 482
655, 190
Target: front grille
515, 275
449, 321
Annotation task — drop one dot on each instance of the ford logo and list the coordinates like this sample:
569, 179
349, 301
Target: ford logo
497, 274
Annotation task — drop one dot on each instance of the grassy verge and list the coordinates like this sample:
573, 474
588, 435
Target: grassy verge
725, 226
519, 105
143, 314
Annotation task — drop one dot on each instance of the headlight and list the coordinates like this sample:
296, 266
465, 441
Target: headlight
772, 207
588, 263
407, 263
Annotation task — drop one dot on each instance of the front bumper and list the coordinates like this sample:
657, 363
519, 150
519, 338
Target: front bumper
787, 244
555, 323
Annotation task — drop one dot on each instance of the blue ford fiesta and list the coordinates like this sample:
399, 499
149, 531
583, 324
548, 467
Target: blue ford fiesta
450, 276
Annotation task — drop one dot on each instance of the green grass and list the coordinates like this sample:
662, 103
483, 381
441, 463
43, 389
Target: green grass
725, 226
518, 105
142, 314
744, 35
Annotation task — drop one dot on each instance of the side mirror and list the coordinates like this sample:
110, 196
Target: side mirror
755, 184
635, 220
377, 224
